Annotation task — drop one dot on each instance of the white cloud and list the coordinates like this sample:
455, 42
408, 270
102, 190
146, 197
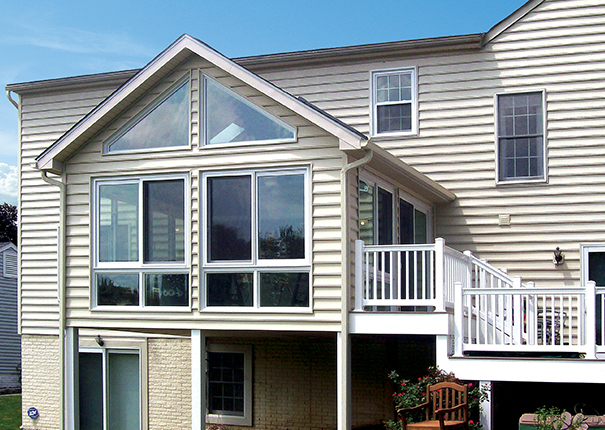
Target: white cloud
8, 183
77, 41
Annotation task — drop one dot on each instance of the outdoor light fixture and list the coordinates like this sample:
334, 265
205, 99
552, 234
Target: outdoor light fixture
558, 257
99, 340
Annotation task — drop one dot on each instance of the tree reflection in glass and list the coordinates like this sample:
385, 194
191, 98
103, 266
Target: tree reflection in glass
281, 219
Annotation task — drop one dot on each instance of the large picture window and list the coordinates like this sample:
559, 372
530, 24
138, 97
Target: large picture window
394, 102
141, 256
521, 143
257, 239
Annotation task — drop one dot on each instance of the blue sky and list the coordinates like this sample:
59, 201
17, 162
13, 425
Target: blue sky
45, 39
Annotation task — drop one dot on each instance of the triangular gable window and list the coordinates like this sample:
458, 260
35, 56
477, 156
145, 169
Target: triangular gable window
231, 118
164, 124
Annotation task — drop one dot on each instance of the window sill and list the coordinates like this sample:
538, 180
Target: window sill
254, 311
139, 309
522, 181
394, 136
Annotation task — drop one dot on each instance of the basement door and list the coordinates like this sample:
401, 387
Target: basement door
109, 390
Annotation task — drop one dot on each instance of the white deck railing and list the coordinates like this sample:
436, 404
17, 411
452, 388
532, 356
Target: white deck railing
389, 277
492, 310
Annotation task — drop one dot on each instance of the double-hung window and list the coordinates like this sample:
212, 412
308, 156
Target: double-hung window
257, 239
394, 102
141, 242
521, 132
229, 376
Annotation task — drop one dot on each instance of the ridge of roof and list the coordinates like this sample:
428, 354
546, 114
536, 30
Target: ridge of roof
371, 50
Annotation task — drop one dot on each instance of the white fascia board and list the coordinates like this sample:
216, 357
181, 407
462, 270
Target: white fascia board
509, 21
346, 137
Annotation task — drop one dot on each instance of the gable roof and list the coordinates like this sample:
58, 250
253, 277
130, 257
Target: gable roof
6, 246
53, 157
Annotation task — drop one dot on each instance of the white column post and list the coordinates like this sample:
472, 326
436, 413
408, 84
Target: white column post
198, 380
343, 378
591, 320
440, 274
72, 415
486, 407
359, 272
459, 320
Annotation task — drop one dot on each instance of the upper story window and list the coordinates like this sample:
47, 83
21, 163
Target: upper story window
521, 142
257, 239
140, 242
163, 124
394, 102
230, 118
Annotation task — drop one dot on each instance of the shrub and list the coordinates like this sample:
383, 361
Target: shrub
408, 394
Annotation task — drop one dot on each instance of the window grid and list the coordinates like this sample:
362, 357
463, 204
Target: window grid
521, 136
226, 382
393, 99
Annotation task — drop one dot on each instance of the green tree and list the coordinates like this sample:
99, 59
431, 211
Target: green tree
8, 223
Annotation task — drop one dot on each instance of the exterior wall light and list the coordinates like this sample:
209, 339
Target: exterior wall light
99, 340
558, 257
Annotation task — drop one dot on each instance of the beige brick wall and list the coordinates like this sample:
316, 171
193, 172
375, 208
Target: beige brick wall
40, 384
169, 383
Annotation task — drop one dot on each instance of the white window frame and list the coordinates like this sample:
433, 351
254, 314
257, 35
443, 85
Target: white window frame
585, 250
246, 418
139, 267
139, 351
398, 194
255, 266
204, 141
529, 179
413, 72
184, 80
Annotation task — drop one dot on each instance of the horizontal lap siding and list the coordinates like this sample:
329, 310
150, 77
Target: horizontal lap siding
10, 341
314, 148
44, 118
559, 48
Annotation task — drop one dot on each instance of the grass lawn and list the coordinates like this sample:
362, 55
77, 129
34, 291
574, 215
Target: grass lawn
10, 412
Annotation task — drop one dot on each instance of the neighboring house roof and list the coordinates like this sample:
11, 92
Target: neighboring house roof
52, 158
7, 245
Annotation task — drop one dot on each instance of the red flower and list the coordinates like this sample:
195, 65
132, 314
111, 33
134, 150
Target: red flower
471, 422
470, 384
402, 384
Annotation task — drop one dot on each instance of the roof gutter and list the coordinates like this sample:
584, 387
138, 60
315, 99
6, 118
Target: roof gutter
60, 290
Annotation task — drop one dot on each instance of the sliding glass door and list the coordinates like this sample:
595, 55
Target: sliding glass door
110, 390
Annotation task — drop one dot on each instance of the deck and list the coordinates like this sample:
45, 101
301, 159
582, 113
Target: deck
434, 289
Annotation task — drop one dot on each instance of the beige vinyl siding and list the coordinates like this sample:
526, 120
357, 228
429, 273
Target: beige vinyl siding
314, 150
558, 48
44, 117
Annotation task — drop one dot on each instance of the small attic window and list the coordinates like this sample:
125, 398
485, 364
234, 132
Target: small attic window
163, 124
231, 118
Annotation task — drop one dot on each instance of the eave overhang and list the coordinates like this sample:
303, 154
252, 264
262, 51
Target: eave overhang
53, 157
406, 175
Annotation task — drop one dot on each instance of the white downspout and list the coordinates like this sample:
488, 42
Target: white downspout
343, 365
60, 289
